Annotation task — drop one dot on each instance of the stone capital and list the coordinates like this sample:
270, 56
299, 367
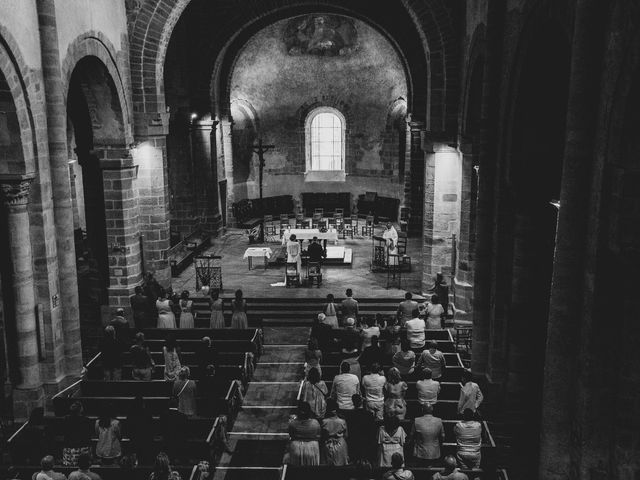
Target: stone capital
15, 188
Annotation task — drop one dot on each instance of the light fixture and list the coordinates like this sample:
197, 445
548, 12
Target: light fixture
555, 203
194, 116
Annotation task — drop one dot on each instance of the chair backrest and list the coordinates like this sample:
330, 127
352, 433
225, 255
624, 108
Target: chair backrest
318, 210
347, 221
299, 216
338, 216
339, 211
284, 217
314, 269
317, 216
292, 268
369, 219
268, 218
322, 224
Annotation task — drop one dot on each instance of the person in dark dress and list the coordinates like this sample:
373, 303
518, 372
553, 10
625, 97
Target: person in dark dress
205, 355
441, 289
111, 355
140, 308
139, 427
174, 430
362, 432
323, 333
121, 326
152, 290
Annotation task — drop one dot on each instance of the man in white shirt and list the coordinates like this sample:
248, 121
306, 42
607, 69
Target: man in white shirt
373, 386
470, 395
406, 308
433, 359
415, 330
344, 386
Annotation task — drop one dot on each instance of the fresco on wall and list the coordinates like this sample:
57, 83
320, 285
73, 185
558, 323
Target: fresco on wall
323, 35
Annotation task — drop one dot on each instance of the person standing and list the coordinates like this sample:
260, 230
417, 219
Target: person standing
164, 306
390, 236
334, 434
293, 253
415, 331
77, 435
140, 308
314, 392
470, 394
84, 469
217, 310
186, 310
349, 306
142, 360
111, 355
171, 355
428, 436
468, 434
433, 359
312, 356
121, 326
451, 470
391, 439
344, 386
362, 432
304, 433
405, 359
369, 329
109, 435
239, 316
395, 388
406, 308
428, 388
330, 311
441, 289
373, 389
184, 390
435, 314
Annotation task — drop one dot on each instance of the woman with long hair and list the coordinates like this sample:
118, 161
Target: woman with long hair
186, 312
217, 310
109, 435
434, 312
312, 356
166, 318
304, 433
171, 355
391, 439
330, 311
162, 469
185, 391
239, 306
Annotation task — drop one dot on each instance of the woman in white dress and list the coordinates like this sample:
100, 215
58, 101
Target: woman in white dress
217, 310
166, 318
186, 314
434, 313
331, 312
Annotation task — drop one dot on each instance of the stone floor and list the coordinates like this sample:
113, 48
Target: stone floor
259, 436
257, 282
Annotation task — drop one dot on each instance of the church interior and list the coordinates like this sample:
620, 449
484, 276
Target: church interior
221, 176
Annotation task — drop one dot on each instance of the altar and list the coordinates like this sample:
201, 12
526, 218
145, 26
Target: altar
309, 233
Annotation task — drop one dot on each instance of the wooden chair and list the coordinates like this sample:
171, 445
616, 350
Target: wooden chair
300, 221
284, 222
314, 273
402, 243
292, 274
269, 227
367, 228
319, 210
338, 211
355, 221
339, 219
463, 339
315, 220
347, 228
322, 224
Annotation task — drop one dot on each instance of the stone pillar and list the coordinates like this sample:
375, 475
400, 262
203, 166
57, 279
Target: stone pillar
565, 421
206, 169
121, 215
28, 392
226, 132
463, 280
482, 277
441, 212
59, 161
150, 155
414, 175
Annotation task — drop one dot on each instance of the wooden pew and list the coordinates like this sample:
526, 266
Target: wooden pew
111, 473
323, 472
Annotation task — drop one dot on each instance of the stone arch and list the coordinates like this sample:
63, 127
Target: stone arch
95, 44
154, 23
23, 86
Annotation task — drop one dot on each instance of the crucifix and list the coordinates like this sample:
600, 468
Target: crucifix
261, 149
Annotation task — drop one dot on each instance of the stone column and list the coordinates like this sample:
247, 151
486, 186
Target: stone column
150, 155
226, 132
28, 391
564, 418
206, 169
121, 215
63, 211
428, 275
463, 281
483, 271
414, 175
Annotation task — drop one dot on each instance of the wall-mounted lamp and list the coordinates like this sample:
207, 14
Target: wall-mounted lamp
193, 116
118, 248
555, 203
476, 168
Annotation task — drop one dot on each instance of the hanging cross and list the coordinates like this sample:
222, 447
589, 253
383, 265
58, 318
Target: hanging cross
261, 149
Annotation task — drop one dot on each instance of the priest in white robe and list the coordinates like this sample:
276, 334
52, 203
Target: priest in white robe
390, 236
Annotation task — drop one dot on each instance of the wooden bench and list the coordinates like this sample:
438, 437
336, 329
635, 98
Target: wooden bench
181, 255
110, 473
323, 472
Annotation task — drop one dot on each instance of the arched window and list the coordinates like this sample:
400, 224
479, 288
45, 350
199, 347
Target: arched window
325, 133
